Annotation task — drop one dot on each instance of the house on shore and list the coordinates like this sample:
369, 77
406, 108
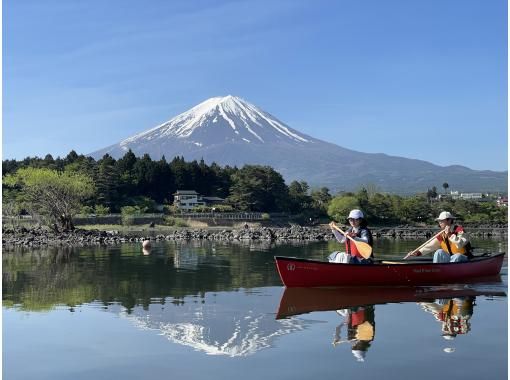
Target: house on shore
186, 200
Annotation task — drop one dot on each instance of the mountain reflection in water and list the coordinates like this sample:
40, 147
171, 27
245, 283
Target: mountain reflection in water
242, 323
226, 301
231, 324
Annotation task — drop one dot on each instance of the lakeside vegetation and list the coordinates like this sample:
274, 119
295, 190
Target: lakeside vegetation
58, 189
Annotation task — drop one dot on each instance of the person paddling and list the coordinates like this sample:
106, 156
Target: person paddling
451, 245
359, 232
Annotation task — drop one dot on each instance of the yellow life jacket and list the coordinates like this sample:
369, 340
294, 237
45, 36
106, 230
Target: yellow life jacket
450, 247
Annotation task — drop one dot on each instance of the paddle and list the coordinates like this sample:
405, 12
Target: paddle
364, 249
424, 244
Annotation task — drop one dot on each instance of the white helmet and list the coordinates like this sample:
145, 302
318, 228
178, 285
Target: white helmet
356, 214
445, 215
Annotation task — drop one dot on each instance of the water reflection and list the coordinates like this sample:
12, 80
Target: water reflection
451, 305
360, 324
454, 314
233, 325
215, 298
239, 324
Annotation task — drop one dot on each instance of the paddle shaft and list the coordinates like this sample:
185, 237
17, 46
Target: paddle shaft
364, 249
424, 244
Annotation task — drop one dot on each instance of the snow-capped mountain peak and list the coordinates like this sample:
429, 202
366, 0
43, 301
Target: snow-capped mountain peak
228, 130
221, 119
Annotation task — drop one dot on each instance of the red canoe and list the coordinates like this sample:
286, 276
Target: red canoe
296, 272
297, 301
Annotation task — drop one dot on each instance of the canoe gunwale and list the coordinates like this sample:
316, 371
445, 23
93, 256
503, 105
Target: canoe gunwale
301, 272
399, 262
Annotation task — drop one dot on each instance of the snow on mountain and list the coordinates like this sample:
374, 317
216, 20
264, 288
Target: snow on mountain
230, 131
229, 118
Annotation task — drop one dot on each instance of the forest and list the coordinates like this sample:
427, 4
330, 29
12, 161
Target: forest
63, 187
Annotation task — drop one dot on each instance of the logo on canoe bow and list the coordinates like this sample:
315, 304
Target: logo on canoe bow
291, 266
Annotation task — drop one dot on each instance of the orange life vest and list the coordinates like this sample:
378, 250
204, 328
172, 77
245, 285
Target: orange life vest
448, 246
351, 248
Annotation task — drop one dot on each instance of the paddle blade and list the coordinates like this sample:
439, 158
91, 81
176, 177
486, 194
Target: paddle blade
364, 249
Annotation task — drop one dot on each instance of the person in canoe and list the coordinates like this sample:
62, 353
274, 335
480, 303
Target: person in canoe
358, 232
451, 244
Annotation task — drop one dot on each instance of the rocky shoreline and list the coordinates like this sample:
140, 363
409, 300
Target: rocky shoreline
42, 237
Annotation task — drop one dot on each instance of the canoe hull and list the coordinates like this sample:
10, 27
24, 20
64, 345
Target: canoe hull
296, 272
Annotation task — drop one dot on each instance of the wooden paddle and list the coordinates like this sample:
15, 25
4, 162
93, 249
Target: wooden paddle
424, 244
364, 249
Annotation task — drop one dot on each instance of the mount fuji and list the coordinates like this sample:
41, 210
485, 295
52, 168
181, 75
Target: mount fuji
231, 131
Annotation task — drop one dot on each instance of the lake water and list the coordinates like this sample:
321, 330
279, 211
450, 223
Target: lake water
214, 311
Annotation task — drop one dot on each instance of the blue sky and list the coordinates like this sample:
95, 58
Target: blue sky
424, 79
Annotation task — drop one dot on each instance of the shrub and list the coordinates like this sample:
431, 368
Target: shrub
101, 210
169, 221
223, 208
176, 222
341, 205
128, 214
169, 209
180, 223
201, 209
86, 210
145, 204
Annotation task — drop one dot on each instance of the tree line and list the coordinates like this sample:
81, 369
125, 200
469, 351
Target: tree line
59, 188
390, 209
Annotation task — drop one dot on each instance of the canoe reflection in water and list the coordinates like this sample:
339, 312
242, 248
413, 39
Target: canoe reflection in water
452, 305
360, 324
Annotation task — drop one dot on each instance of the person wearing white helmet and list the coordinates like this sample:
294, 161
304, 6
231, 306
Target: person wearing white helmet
359, 231
452, 245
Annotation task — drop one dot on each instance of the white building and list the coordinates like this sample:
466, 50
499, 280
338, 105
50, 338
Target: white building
187, 199
471, 195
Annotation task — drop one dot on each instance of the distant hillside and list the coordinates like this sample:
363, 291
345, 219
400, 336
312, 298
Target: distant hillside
230, 131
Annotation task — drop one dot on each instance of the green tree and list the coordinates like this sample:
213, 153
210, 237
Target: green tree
125, 168
381, 208
431, 194
415, 209
445, 186
363, 201
57, 195
128, 214
181, 175
321, 199
101, 210
299, 199
258, 188
107, 182
340, 206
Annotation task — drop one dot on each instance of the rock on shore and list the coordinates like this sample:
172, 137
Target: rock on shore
42, 237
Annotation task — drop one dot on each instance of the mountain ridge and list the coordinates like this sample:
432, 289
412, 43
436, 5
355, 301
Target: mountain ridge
230, 131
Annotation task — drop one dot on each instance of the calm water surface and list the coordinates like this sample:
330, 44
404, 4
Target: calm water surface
213, 311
